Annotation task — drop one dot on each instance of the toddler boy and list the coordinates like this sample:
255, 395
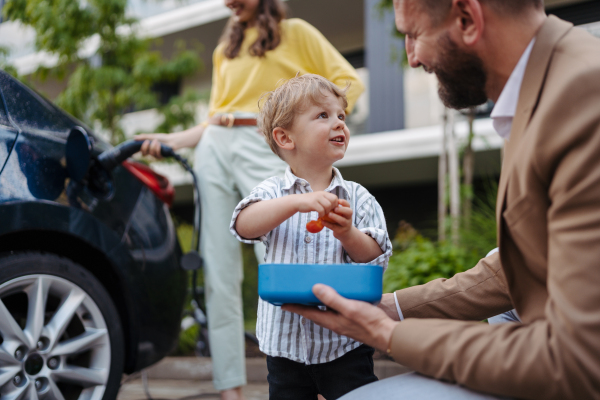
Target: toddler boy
303, 121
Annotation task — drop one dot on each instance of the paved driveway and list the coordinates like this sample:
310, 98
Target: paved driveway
188, 378
172, 389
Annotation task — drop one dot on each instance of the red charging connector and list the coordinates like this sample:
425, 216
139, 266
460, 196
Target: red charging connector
158, 184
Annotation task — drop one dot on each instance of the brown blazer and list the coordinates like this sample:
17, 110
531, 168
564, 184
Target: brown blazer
548, 267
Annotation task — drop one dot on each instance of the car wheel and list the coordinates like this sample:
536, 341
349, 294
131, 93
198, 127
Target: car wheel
60, 333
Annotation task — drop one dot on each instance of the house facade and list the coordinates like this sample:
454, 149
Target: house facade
396, 125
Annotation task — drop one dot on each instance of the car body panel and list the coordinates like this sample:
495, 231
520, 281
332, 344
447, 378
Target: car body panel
8, 134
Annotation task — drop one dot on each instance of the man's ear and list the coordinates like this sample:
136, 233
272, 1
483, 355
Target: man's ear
283, 139
469, 20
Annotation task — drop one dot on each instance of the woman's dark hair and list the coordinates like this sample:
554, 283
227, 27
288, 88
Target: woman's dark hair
268, 16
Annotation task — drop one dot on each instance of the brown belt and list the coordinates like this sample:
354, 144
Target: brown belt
229, 121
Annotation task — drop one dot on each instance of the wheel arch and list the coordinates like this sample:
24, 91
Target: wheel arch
95, 260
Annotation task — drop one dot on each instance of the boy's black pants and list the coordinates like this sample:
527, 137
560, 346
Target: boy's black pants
290, 380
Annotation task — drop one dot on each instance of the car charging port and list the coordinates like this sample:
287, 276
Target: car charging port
99, 182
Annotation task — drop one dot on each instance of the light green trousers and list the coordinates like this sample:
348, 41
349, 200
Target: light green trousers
229, 163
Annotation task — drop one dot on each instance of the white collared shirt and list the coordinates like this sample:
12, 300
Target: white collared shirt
506, 106
285, 334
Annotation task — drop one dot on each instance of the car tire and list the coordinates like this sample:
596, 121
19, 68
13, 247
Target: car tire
60, 332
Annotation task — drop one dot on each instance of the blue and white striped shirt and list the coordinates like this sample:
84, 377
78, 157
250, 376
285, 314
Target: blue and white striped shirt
285, 334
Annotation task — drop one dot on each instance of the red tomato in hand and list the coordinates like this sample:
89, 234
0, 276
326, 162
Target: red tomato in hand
314, 226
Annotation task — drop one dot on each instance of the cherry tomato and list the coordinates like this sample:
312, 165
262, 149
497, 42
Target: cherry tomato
317, 226
314, 226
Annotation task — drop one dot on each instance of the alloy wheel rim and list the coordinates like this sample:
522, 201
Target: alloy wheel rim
56, 346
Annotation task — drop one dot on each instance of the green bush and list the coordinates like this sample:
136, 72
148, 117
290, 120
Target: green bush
187, 342
418, 260
422, 261
478, 233
249, 287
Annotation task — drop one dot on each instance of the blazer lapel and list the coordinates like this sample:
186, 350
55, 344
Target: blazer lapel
535, 74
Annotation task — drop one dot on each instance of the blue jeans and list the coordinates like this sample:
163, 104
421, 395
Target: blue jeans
291, 380
509, 316
413, 386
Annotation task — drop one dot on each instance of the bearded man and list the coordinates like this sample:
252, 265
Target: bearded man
544, 76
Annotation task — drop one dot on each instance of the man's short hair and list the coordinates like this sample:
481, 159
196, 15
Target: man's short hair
438, 9
279, 107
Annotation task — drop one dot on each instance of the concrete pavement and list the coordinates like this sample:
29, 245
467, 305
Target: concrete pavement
171, 389
187, 378
194, 368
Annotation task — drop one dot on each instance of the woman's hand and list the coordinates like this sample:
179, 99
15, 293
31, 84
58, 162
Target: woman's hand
176, 141
152, 142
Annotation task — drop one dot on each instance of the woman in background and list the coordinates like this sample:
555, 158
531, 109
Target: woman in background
259, 47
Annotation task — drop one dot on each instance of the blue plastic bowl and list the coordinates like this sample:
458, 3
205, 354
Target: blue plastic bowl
292, 283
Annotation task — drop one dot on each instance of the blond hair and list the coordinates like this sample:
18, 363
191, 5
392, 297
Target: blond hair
279, 107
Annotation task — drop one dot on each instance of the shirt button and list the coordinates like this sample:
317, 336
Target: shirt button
307, 239
303, 183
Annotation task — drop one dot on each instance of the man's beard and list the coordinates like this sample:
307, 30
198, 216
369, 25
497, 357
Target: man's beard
461, 76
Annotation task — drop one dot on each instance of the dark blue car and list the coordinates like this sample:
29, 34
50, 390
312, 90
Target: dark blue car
90, 277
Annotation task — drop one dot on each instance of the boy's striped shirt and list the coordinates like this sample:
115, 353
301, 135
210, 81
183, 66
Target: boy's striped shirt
285, 334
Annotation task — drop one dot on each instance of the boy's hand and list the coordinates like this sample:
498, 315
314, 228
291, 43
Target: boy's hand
339, 220
321, 202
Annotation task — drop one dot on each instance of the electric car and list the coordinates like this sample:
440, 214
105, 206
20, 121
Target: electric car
91, 284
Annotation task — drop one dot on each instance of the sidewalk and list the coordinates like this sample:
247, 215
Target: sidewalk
178, 378
169, 389
193, 368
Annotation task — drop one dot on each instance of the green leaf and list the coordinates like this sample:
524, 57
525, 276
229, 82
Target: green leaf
119, 77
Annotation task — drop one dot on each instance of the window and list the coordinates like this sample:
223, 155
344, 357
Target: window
2, 18
29, 110
356, 58
581, 13
3, 116
166, 90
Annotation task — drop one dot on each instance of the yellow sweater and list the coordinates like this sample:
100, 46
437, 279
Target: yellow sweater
238, 83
